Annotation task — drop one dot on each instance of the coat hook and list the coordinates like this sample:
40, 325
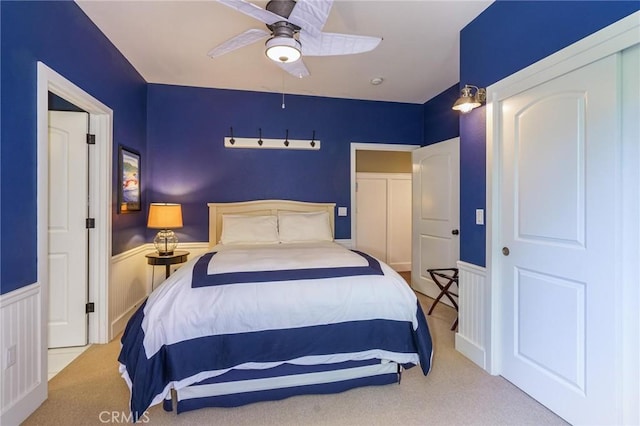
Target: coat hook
260, 142
313, 139
232, 140
286, 141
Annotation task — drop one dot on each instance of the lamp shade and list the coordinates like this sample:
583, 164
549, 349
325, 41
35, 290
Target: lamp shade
165, 216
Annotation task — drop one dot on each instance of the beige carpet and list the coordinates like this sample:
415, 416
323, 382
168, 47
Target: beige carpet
456, 392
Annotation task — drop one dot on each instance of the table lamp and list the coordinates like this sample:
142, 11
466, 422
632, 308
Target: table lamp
165, 216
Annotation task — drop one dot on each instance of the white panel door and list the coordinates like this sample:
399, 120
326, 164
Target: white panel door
560, 152
371, 216
436, 216
67, 232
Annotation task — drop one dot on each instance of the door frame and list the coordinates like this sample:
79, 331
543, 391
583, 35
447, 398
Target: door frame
608, 41
100, 184
360, 146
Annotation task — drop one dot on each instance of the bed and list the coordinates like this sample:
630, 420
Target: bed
274, 309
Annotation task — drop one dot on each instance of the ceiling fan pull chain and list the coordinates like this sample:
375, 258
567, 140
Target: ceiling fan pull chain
283, 90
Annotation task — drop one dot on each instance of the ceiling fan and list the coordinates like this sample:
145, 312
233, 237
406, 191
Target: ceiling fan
295, 30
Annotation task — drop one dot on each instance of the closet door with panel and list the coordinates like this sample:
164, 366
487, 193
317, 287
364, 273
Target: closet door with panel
383, 217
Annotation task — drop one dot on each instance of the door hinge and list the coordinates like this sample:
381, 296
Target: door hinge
91, 139
90, 307
90, 223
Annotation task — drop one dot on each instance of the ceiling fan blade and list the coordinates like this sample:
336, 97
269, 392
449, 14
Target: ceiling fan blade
328, 44
241, 40
252, 10
296, 69
311, 14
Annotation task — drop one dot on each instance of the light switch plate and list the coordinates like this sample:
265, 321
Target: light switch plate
10, 357
479, 216
342, 211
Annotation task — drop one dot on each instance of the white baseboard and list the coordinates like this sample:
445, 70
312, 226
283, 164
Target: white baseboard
118, 324
24, 407
471, 350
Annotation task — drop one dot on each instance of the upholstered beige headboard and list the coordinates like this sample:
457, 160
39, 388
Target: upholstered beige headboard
261, 207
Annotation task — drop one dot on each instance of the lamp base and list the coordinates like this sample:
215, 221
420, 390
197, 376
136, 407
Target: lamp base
165, 242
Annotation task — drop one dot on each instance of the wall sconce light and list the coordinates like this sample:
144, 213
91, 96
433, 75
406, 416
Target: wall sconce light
165, 216
468, 101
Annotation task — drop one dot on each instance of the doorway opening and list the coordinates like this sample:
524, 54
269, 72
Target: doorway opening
99, 182
369, 154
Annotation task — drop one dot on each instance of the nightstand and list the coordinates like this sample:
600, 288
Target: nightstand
178, 256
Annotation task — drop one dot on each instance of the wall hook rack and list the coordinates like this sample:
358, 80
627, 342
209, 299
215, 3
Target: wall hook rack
260, 143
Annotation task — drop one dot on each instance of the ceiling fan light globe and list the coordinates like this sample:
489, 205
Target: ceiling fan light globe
283, 49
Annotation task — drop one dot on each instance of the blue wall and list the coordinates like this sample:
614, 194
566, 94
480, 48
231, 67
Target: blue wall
507, 37
189, 164
60, 35
440, 121
179, 130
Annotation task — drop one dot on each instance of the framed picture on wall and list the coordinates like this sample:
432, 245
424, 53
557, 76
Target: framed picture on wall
128, 180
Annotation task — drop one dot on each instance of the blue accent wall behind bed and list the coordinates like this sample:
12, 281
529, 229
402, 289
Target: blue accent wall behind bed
507, 37
188, 162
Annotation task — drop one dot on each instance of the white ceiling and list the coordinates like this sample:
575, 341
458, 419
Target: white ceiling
167, 42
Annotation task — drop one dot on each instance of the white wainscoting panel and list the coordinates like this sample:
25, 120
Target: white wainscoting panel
473, 312
128, 287
132, 280
20, 330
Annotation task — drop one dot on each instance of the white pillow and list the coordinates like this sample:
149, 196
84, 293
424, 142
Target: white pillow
247, 229
301, 227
